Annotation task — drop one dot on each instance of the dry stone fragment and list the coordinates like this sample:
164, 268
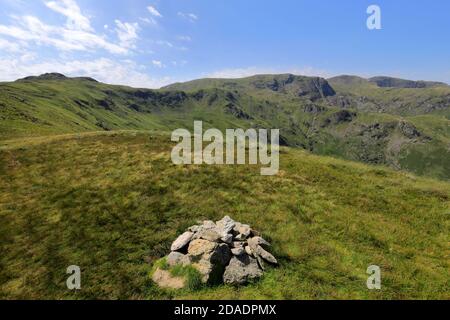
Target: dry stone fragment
177, 258
258, 241
238, 244
241, 270
199, 247
210, 259
182, 241
228, 238
225, 225
209, 234
265, 255
248, 251
237, 251
242, 231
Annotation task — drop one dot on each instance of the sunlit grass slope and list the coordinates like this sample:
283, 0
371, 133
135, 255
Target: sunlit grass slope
112, 203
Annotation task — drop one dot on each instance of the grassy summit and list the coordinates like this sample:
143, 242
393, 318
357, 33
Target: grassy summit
113, 202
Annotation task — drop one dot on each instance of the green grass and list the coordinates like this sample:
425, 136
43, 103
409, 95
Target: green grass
112, 203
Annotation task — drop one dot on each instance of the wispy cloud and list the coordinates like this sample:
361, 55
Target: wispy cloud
148, 20
189, 16
164, 43
158, 64
127, 33
184, 38
70, 9
9, 46
154, 12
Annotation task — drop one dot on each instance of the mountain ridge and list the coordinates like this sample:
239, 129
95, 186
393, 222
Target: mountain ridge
404, 128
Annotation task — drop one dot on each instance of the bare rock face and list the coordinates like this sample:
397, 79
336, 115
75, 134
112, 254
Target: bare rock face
225, 251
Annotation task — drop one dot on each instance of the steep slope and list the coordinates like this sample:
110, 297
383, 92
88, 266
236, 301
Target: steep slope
286, 84
393, 96
347, 117
112, 203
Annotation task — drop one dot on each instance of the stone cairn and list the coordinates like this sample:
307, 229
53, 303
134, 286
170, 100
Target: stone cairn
223, 252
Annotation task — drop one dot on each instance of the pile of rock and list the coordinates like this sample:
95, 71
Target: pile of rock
223, 252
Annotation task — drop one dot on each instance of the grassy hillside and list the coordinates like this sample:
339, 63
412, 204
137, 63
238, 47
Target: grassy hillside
113, 202
351, 119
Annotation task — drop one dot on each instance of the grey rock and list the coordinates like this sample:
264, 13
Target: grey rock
241, 270
242, 231
258, 241
226, 225
177, 258
237, 251
228, 238
194, 229
260, 252
182, 241
208, 234
248, 250
208, 224
200, 247
209, 258
240, 237
260, 263
237, 244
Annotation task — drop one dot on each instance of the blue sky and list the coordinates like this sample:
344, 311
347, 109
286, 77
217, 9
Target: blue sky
148, 43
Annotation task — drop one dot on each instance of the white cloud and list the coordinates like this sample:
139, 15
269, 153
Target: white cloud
124, 72
149, 21
70, 9
127, 33
76, 35
189, 16
154, 12
179, 63
184, 38
250, 71
164, 43
158, 64
9, 46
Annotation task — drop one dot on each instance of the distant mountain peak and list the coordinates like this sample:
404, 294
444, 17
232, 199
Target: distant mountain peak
54, 76
390, 82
